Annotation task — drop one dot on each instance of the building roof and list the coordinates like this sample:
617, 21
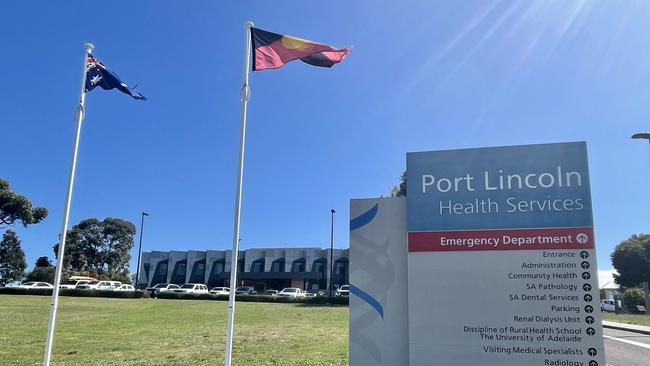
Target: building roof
606, 280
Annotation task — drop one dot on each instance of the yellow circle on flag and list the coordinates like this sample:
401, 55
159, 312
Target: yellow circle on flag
293, 42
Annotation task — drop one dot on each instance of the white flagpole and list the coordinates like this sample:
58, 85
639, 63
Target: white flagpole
245, 94
66, 212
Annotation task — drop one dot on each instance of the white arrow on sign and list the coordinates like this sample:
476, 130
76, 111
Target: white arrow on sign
582, 238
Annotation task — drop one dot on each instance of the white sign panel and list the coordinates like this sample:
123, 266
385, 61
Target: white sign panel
501, 258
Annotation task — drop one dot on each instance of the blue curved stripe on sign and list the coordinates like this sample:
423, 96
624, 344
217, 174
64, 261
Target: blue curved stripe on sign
364, 218
354, 290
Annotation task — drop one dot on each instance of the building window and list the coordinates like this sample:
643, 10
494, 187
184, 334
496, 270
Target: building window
146, 267
278, 265
341, 267
217, 268
198, 272
298, 265
318, 265
178, 276
240, 265
160, 274
257, 266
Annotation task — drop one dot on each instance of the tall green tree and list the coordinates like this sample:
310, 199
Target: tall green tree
15, 208
101, 247
43, 262
41, 274
12, 258
631, 258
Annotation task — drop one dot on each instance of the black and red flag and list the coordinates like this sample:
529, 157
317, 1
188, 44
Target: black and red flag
272, 51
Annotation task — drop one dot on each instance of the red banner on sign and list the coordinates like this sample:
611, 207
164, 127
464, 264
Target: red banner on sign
502, 239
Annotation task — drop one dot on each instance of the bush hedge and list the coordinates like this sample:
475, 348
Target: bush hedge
633, 297
343, 300
78, 293
317, 300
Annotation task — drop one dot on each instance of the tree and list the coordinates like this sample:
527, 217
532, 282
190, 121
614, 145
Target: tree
12, 258
16, 208
41, 274
101, 247
399, 191
631, 258
43, 262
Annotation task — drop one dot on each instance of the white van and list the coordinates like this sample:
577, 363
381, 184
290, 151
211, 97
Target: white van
192, 288
607, 305
100, 285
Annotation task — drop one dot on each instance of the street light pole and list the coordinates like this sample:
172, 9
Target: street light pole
332, 211
137, 271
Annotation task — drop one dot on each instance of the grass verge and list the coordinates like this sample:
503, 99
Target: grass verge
628, 318
104, 331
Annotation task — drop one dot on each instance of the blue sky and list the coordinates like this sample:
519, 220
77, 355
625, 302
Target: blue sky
422, 76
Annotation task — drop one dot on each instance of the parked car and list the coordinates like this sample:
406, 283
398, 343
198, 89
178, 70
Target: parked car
161, 287
35, 285
271, 292
245, 290
343, 291
100, 285
72, 284
607, 305
291, 292
220, 291
192, 288
125, 288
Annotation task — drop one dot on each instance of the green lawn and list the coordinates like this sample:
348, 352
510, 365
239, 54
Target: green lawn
100, 331
628, 318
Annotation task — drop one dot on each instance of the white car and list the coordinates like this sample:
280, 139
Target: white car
192, 288
35, 285
220, 291
72, 284
125, 288
100, 285
162, 287
291, 292
607, 305
344, 290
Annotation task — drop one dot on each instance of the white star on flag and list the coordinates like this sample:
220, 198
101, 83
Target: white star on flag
95, 79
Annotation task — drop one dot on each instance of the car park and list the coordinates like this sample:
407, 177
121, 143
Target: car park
607, 305
245, 290
100, 285
291, 292
192, 288
125, 288
220, 291
35, 285
343, 290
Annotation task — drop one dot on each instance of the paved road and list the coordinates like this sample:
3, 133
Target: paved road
626, 348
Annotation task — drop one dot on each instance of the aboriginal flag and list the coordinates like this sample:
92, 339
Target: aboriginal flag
272, 51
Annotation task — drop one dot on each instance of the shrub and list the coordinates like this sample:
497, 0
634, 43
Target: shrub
257, 298
632, 297
76, 293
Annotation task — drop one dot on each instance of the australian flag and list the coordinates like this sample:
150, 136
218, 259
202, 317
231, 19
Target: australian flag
97, 74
